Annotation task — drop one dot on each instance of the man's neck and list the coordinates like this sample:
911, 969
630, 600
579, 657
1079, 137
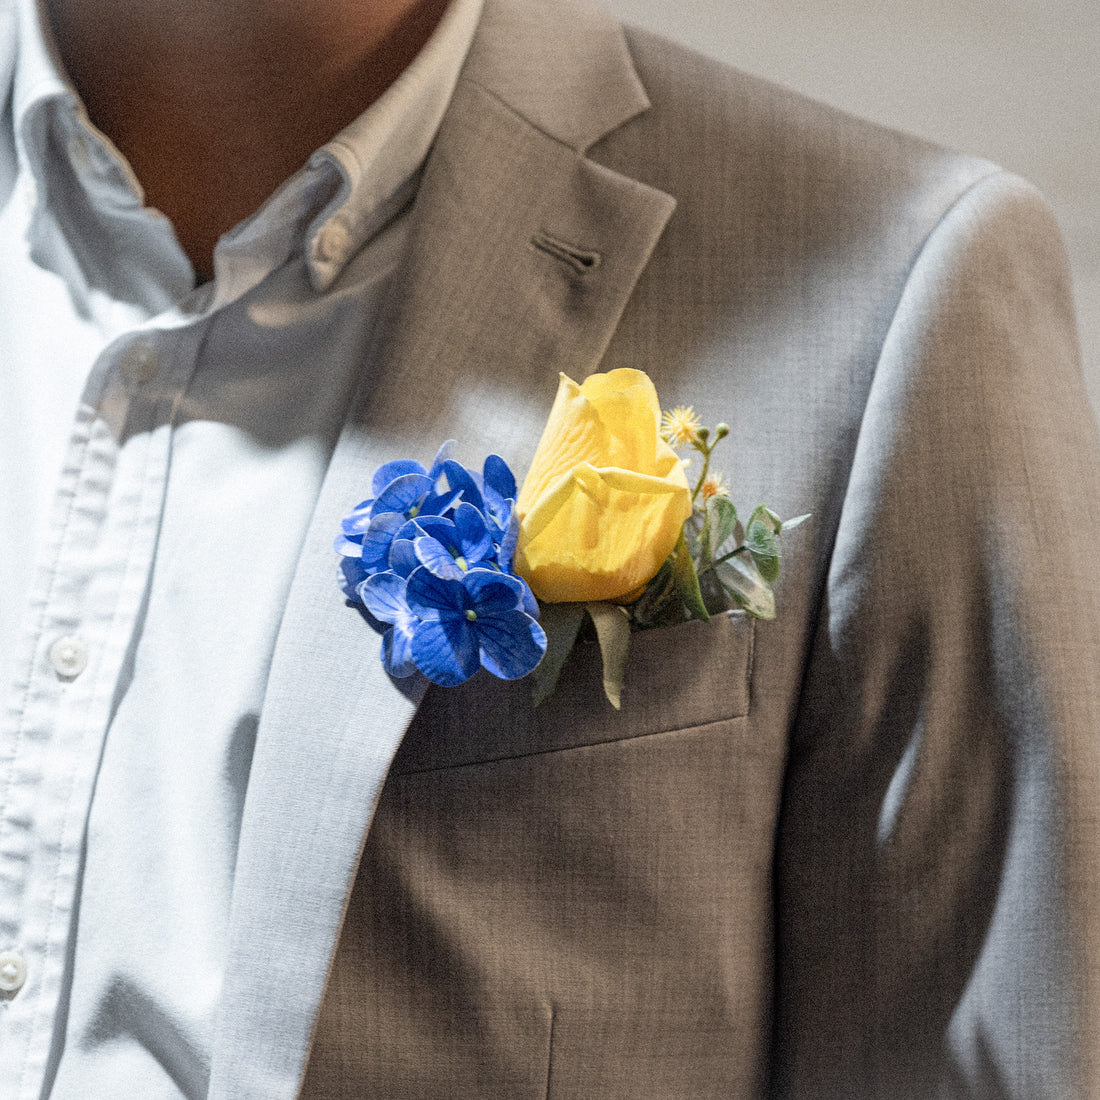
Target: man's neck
216, 102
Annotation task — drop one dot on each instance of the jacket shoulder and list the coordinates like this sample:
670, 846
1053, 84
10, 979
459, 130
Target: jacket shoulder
712, 128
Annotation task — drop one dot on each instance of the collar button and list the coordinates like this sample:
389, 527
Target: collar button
333, 243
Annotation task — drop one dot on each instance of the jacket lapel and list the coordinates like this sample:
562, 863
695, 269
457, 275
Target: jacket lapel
522, 257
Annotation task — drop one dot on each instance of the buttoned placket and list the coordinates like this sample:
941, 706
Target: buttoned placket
77, 654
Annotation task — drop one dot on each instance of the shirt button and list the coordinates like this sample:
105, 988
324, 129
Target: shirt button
334, 242
69, 657
13, 972
139, 363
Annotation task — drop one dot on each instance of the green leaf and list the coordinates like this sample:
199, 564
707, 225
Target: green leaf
562, 623
613, 634
791, 524
762, 539
742, 579
721, 524
687, 580
647, 608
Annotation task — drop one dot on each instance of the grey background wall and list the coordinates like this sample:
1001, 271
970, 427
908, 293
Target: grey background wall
1017, 81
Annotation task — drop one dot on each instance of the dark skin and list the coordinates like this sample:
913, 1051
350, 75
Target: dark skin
215, 102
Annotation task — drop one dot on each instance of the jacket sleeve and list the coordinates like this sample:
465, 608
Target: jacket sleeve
938, 907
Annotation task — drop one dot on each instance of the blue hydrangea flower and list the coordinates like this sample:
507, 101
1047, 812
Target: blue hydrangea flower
470, 622
430, 557
402, 491
464, 538
493, 493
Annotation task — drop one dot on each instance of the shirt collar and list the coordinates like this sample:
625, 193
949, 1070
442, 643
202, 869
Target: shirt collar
380, 154
37, 80
376, 160
37, 67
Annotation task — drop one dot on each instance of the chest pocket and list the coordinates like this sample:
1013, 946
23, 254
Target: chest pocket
678, 677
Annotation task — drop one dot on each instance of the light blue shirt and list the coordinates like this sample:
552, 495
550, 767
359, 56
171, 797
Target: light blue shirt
162, 448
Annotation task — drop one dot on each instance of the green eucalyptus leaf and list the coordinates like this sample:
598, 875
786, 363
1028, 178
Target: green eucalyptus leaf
613, 634
721, 524
687, 580
790, 524
742, 579
561, 623
762, 539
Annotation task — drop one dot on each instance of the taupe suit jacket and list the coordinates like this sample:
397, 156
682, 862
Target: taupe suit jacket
851, 853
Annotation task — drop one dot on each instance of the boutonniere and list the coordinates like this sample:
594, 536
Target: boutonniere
458, 571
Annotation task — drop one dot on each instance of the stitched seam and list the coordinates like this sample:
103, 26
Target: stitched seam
522, 118
54, 575
574, 748
581, 260
550, 1049
750, 666
72, 811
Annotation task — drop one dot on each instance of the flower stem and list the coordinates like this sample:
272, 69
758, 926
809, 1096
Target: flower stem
725, 557
704, 450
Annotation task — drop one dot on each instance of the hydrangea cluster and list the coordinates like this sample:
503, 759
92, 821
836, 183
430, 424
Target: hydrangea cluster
430, 558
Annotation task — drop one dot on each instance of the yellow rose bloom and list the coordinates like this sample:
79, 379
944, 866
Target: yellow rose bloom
605, 498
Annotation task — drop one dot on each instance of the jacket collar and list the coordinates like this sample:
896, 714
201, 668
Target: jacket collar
521, 259
521, 48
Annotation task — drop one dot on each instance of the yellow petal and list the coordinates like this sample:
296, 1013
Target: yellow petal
574, 433
601, 534
626, 402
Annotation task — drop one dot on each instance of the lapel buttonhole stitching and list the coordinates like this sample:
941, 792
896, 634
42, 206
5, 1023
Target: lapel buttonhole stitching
582, 260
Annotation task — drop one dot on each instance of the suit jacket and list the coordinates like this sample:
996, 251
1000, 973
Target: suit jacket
849, 853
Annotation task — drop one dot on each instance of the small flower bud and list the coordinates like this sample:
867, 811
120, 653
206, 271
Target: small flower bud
721, 432
703, 434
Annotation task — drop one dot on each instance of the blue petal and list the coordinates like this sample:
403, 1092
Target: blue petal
437, 559
358, 519
349, 548
506, 551
497, 476
410, 529
397, 651
511, 644
474, 541
493, 593
403, 494
440, 529
353, 575
530, 604
463, 480
378, 539
383, 595
471, 540
497, 511
403, 559
446, 651
432, 597
444, 454
439, 504
391, 471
